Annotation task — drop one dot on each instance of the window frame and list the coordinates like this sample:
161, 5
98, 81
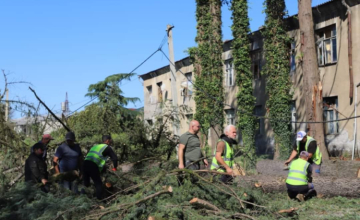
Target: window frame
229, 67
231, 113
332, 127
321, 45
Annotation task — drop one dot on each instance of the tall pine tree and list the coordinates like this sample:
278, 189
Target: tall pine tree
277, 70
209, 94
244, 76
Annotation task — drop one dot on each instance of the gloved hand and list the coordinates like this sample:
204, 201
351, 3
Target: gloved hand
113, 169
311, 186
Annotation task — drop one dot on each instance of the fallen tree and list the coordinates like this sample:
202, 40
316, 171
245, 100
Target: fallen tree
338, 169
325, 185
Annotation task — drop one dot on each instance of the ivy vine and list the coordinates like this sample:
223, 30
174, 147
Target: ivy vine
207, 60
277, 69
244, 77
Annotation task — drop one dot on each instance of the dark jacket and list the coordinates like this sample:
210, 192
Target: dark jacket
35, 169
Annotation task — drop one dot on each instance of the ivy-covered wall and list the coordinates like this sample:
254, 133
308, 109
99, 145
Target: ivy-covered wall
206, 57
244, 77
277, 69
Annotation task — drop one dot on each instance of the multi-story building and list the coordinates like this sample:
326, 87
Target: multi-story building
331, 33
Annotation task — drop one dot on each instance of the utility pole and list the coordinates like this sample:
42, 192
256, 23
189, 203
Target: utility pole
172, 72
173, 79
7, 105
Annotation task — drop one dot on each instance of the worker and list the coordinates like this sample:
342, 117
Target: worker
299, 180
68, 157
308, 144
95, 161
45, 140
224, 153
189, 151
36, 168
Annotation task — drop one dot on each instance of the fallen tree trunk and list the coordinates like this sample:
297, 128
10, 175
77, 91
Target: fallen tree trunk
328, 186
338, 169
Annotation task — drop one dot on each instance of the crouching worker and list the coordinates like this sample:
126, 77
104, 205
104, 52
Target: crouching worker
36, 168
95, 162
224, 154
299, 180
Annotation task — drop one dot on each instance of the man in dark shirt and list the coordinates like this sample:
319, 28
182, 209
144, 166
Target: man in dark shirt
95, 161
68, 157
45, 140
35, 167
189, 148
308, 144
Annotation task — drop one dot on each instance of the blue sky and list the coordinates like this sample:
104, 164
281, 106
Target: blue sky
64, 46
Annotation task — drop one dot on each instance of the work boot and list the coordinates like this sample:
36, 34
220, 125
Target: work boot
300, 197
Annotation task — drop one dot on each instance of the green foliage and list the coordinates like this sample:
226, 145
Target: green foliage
209, 94
277, 70
244, 77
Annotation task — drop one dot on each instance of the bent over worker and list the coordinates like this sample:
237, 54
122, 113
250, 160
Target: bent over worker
95, 161
224, 153
299, 180
308, 144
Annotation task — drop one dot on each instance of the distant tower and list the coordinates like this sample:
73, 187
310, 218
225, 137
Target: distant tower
65, 106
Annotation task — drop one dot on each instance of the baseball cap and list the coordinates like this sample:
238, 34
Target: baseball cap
47, 136
70, 136
300, 135
304, 154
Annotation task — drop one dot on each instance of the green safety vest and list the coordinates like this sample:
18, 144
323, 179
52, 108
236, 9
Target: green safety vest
298, 173
315, 157
228, 157
95, 155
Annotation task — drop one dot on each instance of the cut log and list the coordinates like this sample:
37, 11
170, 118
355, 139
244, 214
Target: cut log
338, 169
328, 186
358, 173
203, 204
68, 176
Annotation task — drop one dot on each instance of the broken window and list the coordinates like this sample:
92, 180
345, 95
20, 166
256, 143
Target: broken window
230, 117
292, 58
229, 70
326, 45
160, 95
330, 113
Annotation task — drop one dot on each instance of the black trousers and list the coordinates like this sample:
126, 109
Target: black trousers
293, 191
91, 170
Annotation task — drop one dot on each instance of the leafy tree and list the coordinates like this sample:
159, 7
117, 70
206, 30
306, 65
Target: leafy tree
277, 70
209, 94
244, 77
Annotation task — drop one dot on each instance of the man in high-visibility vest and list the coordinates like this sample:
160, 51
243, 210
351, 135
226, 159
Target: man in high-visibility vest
299, 180
308, 144
224, 153
95, 161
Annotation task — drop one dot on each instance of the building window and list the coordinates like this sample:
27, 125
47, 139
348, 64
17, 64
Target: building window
189, 117
229, 69
293, 116
256, 64
292, 58
330, 114
230, 117
326, 45
150, 122
255, 45
160, 95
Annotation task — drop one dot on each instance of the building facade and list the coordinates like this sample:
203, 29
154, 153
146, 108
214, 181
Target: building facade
331, 25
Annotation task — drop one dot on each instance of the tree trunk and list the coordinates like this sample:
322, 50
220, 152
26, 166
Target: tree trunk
337, 169
312, 83
327, 186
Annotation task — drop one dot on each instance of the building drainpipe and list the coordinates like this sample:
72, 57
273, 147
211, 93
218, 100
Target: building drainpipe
355, 126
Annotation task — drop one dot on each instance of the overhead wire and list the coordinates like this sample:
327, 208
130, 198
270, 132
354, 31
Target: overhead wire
157, 50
